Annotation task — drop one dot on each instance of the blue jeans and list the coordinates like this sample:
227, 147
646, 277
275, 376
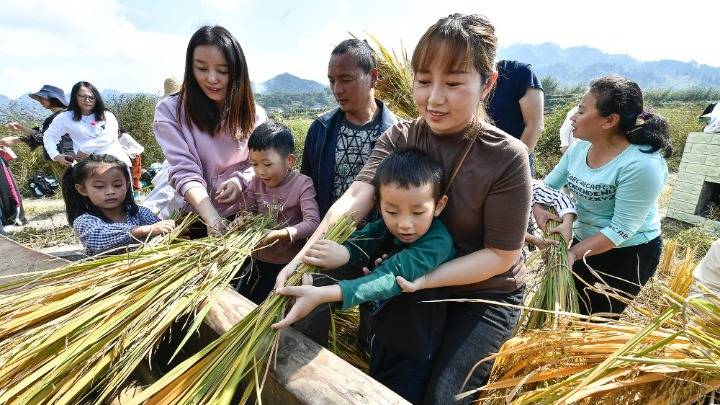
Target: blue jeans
473, 331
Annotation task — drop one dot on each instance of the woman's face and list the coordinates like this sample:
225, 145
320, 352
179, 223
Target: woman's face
587, 123
211, 72
86, 100
447, 100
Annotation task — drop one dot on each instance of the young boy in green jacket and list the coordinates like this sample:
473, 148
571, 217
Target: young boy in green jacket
410, 194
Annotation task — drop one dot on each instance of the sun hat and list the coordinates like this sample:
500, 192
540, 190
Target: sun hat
50, 92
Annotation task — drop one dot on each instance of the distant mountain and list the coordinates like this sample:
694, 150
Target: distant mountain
579, 65
290, 84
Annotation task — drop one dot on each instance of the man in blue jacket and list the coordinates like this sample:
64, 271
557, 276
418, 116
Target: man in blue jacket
339, 142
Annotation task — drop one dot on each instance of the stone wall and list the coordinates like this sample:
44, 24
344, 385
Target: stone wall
700, 163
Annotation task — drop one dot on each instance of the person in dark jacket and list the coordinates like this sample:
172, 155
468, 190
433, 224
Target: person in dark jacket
339, 141
52, 98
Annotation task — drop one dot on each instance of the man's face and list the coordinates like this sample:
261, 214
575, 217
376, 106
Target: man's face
351, 86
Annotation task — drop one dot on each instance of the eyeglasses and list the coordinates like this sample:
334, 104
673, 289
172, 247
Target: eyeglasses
86, 98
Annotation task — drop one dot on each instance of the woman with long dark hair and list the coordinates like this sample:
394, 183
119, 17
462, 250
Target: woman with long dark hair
616, 171
203, 129
92, 128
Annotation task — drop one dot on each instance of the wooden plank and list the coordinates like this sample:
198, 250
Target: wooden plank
308, 372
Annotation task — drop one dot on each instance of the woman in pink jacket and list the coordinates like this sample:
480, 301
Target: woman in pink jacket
203, 129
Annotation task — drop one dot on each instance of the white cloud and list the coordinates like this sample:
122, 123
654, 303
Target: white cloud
62, 43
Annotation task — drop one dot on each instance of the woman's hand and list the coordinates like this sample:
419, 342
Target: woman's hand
410, 286
218, 227
326, 254
18, 127
542, 216
63, 159
229, 191
564, 229
9, 140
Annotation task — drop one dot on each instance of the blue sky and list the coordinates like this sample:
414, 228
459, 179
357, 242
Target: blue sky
132, 45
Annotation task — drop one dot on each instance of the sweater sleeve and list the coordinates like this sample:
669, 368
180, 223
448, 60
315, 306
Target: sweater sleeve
309, 210
422, 257
560, 201
99, 236
185, 170
639, 186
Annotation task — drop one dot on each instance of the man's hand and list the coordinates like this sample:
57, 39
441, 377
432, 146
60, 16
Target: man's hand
229, 191
326, 254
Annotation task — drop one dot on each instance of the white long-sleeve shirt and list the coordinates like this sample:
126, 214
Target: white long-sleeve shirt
88, 136
566, 135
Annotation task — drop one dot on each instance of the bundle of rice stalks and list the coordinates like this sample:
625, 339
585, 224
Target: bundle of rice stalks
673, 359
344, 338
74, 334
395, 82
213, 375
555, 291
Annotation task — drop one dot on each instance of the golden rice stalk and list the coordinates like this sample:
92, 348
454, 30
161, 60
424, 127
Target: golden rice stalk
672, 359
344, 342
243, 353
555, 291
395, 80
74, 334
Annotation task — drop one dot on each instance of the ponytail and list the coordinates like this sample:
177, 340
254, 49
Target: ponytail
652, 130
618, 95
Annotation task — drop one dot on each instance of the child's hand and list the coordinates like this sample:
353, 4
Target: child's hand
307, 298
564, 229
539, 242
229, 191
326, 254
377, 262
273, 235
283, 275
162, 227
542, 215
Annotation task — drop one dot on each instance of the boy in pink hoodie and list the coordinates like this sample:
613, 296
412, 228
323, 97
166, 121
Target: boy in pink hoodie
279, 189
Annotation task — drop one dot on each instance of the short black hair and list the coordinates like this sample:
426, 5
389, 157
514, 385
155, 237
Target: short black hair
410, 168
271, 134
360, 50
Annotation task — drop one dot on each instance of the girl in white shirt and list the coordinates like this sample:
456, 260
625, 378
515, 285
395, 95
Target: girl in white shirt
92, 128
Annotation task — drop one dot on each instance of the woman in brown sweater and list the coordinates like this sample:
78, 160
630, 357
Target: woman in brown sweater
488, 205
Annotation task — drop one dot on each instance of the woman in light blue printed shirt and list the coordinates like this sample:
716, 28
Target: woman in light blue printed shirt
615, 172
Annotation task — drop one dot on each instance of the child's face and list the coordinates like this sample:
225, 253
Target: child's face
409, 212
106, 187
270, 166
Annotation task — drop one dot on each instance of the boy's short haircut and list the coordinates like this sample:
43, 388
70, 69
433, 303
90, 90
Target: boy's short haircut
271, 134
410, 168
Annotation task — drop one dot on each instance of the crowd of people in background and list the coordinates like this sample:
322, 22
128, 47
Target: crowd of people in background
443, 201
